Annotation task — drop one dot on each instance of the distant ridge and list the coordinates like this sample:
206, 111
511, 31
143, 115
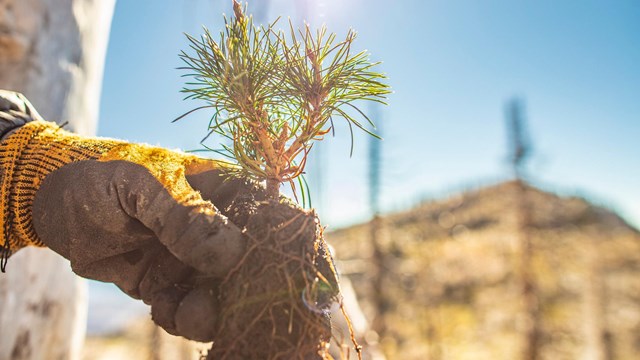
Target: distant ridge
451, 277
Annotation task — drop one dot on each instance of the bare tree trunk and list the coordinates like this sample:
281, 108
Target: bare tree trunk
378, 281
155, 343
597, 344
530, 299
53, 52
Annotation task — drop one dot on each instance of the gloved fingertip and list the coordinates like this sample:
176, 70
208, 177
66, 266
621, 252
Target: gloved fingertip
197, 314
164, 305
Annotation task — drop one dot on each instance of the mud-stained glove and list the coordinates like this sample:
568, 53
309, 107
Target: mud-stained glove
148, 219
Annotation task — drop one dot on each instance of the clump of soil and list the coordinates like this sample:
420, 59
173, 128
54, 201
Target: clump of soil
274, 304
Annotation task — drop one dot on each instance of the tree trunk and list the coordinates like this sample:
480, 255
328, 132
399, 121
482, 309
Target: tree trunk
378, 278
596, 334
53, 52
530, 301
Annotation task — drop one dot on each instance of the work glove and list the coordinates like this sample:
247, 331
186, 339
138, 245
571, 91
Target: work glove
154, 222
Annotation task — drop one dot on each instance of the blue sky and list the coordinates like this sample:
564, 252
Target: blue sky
452, 66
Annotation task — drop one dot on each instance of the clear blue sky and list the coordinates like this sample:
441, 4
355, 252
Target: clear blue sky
452, 65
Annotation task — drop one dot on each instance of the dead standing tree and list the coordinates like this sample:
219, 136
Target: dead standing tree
519, 151
53, 52
378, 255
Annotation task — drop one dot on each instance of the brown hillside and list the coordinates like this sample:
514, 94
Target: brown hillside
452, 286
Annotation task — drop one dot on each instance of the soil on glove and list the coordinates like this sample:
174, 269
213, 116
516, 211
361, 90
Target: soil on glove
274, 303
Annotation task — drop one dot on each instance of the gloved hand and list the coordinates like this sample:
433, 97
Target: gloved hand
153, 221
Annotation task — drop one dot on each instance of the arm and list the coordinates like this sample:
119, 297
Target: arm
150, 220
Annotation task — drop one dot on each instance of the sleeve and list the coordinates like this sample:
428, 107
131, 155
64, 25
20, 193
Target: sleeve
15, 111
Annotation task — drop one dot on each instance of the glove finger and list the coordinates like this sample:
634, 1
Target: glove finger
197, 314
183, 301
164, 305
191, 313
165, 271
93, 193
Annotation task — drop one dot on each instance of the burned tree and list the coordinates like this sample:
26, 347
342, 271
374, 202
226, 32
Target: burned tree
519, 152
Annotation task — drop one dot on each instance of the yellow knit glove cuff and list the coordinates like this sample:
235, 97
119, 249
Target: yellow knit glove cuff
26, 158
39, 148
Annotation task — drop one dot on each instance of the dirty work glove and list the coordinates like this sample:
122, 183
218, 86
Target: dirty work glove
148, 219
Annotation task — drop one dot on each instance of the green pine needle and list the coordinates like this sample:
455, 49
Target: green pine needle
275, 93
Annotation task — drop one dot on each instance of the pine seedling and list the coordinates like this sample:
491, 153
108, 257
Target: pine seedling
274, 92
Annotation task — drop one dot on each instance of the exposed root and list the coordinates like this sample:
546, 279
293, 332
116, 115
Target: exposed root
275, 303
351, 332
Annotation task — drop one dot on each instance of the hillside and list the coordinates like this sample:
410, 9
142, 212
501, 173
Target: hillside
451, 277
141, 339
